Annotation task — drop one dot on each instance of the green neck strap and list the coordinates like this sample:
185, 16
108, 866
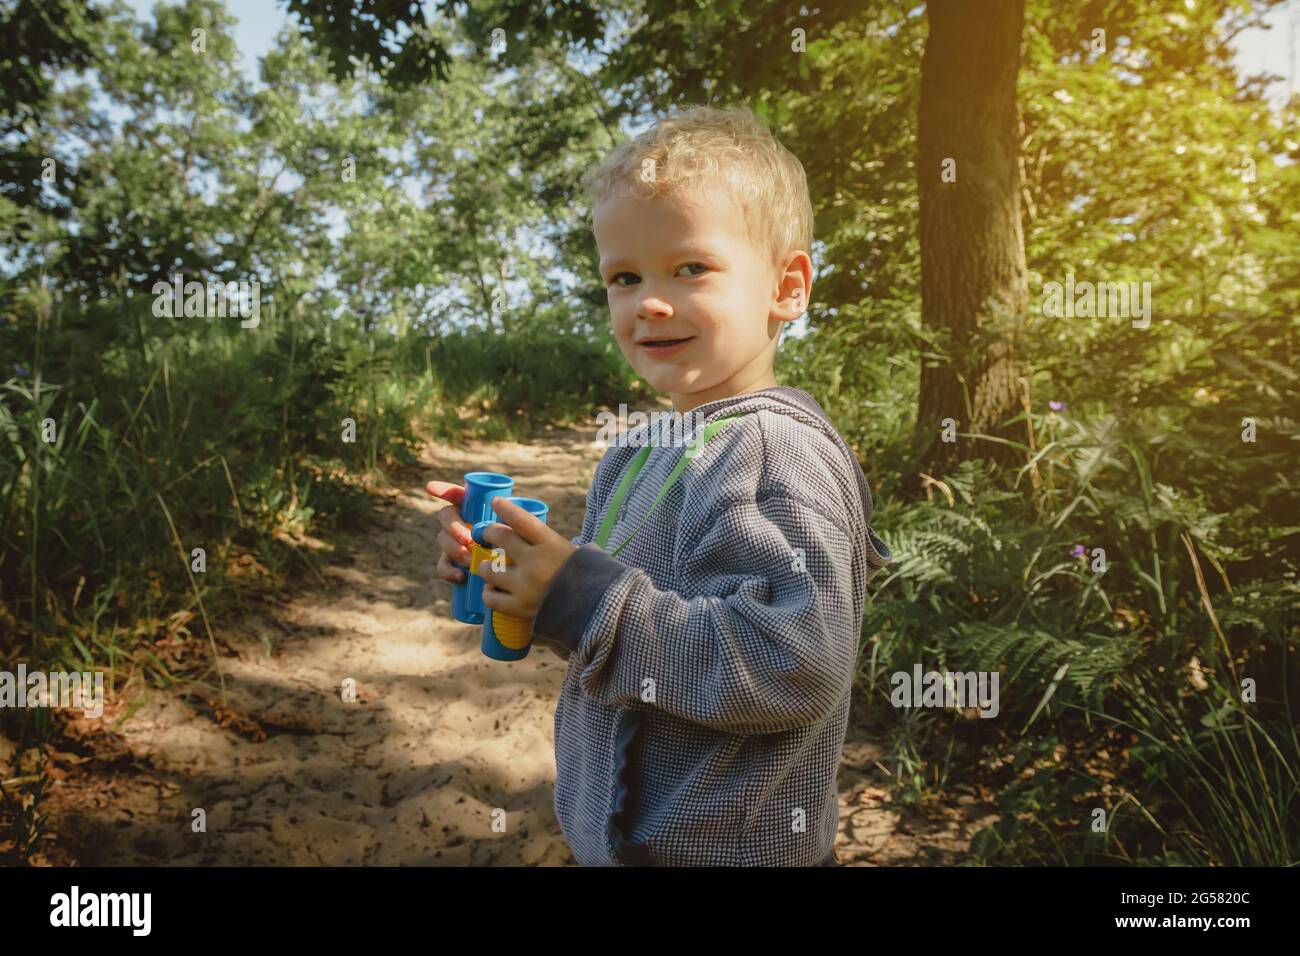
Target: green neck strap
611, 514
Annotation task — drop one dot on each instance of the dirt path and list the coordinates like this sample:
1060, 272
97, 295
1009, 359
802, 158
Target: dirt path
438, 741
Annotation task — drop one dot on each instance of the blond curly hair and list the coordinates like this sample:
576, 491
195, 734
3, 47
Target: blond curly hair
704, 147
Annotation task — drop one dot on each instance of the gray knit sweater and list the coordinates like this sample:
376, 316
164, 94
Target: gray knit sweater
703, 712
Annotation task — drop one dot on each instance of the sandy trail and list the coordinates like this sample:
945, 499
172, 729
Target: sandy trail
440, 743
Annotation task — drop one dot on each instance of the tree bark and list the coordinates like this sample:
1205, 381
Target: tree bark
974, 294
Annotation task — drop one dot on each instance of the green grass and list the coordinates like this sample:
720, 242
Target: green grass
227, 440
1121, 691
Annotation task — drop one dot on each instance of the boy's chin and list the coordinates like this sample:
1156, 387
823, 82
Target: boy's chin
666, 380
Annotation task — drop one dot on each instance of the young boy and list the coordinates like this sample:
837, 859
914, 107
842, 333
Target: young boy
710, 662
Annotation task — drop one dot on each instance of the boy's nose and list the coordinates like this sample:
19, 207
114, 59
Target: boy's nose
652, 308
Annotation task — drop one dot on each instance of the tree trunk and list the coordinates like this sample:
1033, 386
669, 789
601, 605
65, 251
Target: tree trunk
974, 294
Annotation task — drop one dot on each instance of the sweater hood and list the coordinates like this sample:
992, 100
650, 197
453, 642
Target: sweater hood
798, 404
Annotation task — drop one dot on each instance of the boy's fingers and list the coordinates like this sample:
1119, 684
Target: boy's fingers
500, 600
503, 582
455, 525
504, 537
527, 525
447, 491
453, 549
447, 571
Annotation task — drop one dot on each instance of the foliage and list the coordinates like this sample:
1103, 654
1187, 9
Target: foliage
427, 270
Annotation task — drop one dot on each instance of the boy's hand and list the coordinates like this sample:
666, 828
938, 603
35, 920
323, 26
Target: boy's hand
537, 553
454, 538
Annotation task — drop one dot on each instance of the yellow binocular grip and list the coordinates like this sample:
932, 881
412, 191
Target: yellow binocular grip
512, 632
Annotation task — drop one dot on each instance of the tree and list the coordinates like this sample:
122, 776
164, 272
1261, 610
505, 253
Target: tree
396, 38
36, 40
1126, 165
973, 284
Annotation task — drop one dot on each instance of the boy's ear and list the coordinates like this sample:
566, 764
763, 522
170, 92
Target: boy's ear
795, 284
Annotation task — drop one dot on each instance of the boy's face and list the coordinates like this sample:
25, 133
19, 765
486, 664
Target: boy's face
683, 268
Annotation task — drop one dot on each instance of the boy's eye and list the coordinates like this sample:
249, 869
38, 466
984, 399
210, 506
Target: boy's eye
614, 279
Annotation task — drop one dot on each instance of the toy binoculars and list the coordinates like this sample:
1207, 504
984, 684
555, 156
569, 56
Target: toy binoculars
505, 638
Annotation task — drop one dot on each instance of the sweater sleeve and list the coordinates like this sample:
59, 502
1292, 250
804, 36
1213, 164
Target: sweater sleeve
765, 639
597, 493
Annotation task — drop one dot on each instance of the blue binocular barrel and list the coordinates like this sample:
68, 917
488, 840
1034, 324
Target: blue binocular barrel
480, 488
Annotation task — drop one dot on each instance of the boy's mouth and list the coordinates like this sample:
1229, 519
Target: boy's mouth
663, 346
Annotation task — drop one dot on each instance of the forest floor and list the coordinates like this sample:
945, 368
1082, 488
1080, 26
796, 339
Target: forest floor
288, 773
